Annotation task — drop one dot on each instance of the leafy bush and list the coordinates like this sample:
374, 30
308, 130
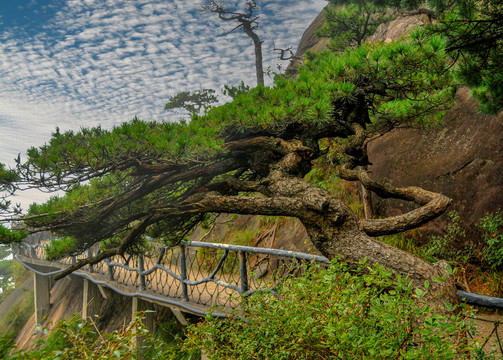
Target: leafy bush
338, 313
78, 339
59, 248
444, 247
6, 344
491, 226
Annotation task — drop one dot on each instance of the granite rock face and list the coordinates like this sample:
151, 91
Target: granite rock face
398, 27
461, 159
309, 42
388, 32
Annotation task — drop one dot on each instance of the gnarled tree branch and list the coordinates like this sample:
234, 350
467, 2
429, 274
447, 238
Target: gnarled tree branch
432, 205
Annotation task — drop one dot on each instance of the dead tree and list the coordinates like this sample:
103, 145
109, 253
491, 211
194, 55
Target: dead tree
248, 23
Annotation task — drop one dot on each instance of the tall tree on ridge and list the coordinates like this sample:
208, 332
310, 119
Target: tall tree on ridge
248, 23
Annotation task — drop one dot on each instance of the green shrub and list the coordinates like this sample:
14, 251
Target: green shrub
266, 220
402, 241
59, 248
338, 313
491, 226
6, 343
446, 247
78, 339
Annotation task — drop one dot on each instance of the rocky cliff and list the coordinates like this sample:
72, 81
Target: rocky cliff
461, 159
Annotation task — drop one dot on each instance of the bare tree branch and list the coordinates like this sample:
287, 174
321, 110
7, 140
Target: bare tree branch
283, 53
432, 204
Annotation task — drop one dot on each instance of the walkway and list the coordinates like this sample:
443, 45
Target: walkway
196, 276
193, 277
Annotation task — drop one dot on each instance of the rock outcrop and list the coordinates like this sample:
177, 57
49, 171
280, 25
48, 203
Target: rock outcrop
309, 42
398, 27
461, 159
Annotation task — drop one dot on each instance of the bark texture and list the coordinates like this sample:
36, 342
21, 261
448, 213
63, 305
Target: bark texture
333, 227
279, 188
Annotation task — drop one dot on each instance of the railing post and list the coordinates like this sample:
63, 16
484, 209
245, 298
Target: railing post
89, 254
183, 268
243, 271
92, 300
110, 271
141, 264
147, 308
33, 252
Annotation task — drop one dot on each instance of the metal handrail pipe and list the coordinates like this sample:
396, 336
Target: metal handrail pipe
481, 300
238, 248
265, 251
136, 269
123, 293
28, 267
166, 270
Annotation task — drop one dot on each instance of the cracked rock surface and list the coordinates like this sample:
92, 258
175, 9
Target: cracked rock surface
461, 159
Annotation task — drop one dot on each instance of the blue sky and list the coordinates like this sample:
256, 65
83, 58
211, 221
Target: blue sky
80, 63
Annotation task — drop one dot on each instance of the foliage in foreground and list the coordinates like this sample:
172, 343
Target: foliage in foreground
487, 250
338, 313
342, 312
78, 339
476, 257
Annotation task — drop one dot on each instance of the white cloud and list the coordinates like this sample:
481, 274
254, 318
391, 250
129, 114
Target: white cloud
107, 61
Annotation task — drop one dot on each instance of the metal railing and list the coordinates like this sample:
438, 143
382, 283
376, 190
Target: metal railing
197, 275
188, 275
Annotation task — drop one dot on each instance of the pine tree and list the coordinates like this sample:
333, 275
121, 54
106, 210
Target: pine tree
192, 102
251, 156
474, 33
349, 23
